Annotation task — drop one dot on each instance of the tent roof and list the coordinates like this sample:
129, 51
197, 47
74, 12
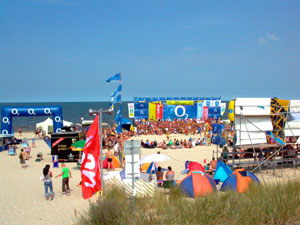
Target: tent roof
126, 121
49, 122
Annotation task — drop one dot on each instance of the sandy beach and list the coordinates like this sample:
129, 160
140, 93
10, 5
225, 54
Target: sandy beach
22, 193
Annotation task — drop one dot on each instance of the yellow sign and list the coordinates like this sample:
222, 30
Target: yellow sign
180, 102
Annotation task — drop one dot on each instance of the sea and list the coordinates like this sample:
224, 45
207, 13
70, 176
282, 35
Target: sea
72, 111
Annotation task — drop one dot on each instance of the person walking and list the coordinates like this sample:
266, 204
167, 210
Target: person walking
47, 175
66, 174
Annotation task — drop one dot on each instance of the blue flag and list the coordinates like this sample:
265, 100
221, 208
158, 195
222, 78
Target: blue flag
116, 99
118, 90
118, 121
114, 78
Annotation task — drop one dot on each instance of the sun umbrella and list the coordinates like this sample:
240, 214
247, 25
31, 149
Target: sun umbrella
154, 158
79, 144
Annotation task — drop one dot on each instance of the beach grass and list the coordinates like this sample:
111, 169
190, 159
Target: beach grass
277, 203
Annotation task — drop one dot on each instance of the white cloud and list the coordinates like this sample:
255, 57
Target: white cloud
272, 37
262, 41
188, 49
268, 38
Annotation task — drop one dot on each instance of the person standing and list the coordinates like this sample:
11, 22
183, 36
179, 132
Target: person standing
20, 131
66, 174
110, 164
28, 150
22, 158
48, 182
33, 143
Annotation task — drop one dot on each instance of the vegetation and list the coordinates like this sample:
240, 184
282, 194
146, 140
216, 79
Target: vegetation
262, 204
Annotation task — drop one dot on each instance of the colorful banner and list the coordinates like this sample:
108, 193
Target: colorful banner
211, 103
152, 111
159, 111
171, 112
180, 102
223, 108
131, 110
205, 113
199, 110
90, 173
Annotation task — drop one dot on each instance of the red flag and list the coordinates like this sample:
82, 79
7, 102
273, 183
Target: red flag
90, 174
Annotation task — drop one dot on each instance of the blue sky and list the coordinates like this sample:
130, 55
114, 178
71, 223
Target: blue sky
64, 50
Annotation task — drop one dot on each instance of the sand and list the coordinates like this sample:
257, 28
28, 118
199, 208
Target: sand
22, 193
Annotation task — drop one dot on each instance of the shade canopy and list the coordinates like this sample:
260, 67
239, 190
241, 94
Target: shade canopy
49, 123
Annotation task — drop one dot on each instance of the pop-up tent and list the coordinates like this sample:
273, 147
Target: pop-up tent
239, 181
197, 184
195, 166
49, 123
115, 163
126, 123
222, 172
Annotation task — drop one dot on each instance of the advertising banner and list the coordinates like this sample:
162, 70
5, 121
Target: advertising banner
141, 113
223, 108
205, 113
171, 112
199, 110
212, 103
180, 102
159, 111
152, 111
214, 110
131, 110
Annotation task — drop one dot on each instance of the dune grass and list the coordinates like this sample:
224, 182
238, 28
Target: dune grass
262, 204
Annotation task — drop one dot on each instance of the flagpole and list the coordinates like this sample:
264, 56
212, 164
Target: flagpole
122, 144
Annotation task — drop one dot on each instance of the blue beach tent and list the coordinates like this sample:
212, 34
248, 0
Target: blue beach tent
239, 181
222, 172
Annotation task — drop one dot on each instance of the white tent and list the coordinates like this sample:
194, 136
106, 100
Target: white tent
49, 123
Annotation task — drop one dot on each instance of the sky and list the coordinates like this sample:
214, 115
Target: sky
64, 50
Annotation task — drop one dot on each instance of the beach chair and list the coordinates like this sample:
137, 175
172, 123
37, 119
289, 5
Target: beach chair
12, 150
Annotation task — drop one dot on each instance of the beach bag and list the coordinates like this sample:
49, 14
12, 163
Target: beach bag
42, 178
20, 156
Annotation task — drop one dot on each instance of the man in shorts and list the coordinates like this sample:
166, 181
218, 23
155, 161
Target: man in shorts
109, 155
22, 158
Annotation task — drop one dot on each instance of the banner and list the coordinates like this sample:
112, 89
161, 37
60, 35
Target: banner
199, 110
131, 110
170, 112
211, 103
223, 108
205, 113
90, 173
180, 102
159, 111
152, 111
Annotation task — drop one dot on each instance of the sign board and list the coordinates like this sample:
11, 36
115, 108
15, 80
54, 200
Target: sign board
61, 146
132, 151
131, 110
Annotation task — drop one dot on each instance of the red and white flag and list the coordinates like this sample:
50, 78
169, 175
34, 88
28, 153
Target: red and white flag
90, 174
